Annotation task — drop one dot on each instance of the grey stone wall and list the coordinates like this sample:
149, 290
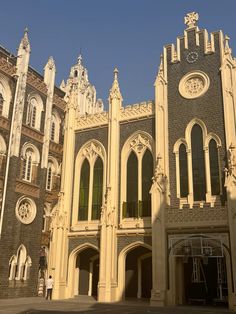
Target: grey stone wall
208, 108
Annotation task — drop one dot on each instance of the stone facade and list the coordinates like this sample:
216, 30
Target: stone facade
146, 205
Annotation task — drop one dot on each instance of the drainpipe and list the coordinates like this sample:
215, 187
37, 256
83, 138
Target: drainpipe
8, 155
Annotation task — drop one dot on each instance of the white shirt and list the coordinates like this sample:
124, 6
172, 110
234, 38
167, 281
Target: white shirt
49, 283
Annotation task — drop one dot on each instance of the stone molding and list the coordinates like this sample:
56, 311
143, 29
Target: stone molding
196, 216
136, 111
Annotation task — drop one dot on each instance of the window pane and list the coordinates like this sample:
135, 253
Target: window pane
97, 189
147, 174
198, 164
183, 171
84, 191
214, 168
132, 186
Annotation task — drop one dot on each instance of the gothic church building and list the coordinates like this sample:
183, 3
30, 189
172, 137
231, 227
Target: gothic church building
133, 202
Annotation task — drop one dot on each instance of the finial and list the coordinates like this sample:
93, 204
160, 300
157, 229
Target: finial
116, 73
80, 59
26, 30
191, 19
227, 48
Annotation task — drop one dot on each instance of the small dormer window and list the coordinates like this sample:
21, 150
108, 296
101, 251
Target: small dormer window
76, 73
82, 73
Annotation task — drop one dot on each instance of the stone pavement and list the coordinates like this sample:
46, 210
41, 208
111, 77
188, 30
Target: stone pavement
37, 305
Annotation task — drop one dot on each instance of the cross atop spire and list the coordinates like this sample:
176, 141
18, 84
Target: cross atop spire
191, 19
80, 59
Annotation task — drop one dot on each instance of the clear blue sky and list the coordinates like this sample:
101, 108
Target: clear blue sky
128, 34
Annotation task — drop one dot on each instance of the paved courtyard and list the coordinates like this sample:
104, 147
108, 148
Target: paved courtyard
85, 305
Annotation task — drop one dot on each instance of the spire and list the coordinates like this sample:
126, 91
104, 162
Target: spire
115, 89
49, 71
191, 19
25, 41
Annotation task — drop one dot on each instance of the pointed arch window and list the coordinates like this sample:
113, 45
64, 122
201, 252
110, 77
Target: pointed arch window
49, 176
27, 165
198, 164
52, 135
55, 127
35, 108
183, 171
214, 168
147, 174
19, 265
132, 186
84, 191
97, 189
29, 162
1, 103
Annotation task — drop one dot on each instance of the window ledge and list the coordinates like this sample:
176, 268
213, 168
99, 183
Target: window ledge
86, 225
135, 223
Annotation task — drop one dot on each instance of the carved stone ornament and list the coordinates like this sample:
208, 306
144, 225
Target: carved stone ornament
191, 19
194, 85
115, 89
159, 177
25, 211
92, 150
107, 212
140, 143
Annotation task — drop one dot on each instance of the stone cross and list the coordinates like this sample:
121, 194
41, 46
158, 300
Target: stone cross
190, 19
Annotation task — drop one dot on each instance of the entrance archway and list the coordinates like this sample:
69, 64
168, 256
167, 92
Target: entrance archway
199, 270
135, 270
83, 271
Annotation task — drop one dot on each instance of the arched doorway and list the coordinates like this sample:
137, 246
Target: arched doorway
199, 270
137, 272
83, 271
87, 269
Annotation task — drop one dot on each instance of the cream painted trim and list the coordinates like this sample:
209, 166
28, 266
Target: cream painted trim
193, 75
92, 157
125, 152
35, 156
72, 266
121, 265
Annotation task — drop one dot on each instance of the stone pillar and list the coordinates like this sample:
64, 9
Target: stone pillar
108, 249
22, 65
159, 256
62, 211
49, 80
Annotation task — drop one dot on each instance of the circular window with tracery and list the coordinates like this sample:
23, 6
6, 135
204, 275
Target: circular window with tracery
194, 84
25, 210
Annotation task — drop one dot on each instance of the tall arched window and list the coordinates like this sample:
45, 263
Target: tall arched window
147, 174
198, 164
35, 108
183, 171
132, 187
97, 189
55, 127
29, 162
214, 168
1, 103
52, 134
27, 165
49, 176
84, 191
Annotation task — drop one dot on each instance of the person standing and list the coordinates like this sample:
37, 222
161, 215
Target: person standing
49, 286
